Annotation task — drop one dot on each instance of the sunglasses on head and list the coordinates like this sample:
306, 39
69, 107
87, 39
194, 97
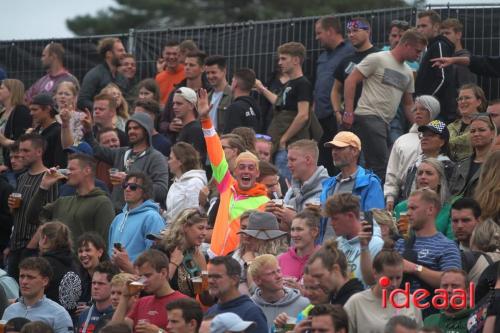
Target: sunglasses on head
484, 116
401, 24
263, 137
132, 186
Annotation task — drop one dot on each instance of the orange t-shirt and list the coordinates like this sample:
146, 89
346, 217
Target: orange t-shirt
167, 80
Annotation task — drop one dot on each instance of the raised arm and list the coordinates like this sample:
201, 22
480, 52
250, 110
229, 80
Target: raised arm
214, 147
269, 95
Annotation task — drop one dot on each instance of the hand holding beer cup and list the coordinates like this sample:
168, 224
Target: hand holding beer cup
403, 224
116, 176
15, 200
134, 287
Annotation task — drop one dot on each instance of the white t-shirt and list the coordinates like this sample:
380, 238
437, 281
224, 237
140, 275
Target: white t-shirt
367, 315
385, 81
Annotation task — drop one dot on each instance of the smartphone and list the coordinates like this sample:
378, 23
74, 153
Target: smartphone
369, 218
278, 202
118, 246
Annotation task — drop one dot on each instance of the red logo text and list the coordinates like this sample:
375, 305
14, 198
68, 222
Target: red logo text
401, 298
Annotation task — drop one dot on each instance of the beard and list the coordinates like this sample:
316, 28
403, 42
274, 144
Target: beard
340, 164
115, 61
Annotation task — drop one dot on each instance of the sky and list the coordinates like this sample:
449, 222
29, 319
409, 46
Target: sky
35, 19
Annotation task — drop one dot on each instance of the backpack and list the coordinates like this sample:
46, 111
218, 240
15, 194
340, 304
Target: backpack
469, 259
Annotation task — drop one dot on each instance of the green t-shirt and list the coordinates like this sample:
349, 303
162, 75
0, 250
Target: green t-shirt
456, 324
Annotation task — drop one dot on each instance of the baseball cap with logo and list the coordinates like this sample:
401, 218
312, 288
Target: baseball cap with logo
344, 139
437, 127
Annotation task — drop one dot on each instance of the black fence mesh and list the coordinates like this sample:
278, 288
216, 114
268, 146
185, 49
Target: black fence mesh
250, 44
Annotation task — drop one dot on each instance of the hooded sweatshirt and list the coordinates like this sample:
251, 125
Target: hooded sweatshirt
183, 193
130, 228
307, 192
150, 162
244, 111
438, 82
81, 213
65, 286
246, 309
292, 303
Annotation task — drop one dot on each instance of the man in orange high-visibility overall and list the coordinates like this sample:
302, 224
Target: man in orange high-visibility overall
237, 194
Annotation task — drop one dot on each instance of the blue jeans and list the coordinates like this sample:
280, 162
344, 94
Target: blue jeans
281, 162
398, 126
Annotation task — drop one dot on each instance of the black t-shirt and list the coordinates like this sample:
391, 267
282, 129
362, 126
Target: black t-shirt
347, 65
54, 154
294, 91
193, 134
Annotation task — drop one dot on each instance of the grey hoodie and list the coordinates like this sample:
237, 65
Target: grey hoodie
292, 303
299, 194
150, 162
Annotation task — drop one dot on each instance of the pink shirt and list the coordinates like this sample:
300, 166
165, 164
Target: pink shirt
293, 265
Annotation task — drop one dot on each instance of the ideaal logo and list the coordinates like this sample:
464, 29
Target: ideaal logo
419, 298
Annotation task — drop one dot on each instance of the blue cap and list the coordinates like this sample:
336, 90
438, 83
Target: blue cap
82, 148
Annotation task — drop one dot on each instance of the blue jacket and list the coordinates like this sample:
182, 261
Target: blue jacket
244, 307
130, 228
366, 185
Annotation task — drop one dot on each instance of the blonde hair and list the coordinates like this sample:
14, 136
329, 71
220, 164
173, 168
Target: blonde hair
306, 146
16, 89
259, 262
487, 192
383, 217
121, 110
74, 87
121, 279
485, 236
444, 192
175, 236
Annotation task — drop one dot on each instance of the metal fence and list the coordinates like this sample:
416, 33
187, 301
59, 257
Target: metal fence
251, 44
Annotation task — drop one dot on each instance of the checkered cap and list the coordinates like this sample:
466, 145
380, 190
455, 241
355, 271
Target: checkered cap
438, 127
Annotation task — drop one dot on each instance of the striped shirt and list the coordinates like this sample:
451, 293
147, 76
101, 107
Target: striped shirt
437, 253
23, 230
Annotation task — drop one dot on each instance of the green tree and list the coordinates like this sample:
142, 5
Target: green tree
174, 13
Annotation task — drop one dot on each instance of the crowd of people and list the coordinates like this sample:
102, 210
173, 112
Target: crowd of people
194, 202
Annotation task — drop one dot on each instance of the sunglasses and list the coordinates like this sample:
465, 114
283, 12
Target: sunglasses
197, 214
401, 24
132, 186
263, 137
